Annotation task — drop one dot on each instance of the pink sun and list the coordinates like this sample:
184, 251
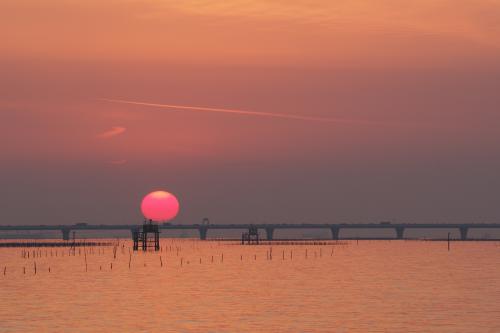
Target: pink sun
160, 206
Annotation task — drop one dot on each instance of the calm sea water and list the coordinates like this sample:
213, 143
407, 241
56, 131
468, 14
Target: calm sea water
370, 286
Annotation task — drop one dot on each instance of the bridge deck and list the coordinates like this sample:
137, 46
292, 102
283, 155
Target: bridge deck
258, 225
268, 227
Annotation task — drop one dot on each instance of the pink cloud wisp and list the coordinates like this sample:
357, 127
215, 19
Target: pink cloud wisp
114, 131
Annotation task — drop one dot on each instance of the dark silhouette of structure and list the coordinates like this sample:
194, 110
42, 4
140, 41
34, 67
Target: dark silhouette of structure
147, 238
204, 228
251, 236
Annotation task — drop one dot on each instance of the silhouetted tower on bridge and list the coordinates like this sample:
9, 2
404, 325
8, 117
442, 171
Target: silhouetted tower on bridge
147, 237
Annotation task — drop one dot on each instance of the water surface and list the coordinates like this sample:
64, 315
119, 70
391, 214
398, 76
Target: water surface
370, 286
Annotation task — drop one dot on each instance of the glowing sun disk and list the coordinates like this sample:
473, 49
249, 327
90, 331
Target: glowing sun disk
160, 206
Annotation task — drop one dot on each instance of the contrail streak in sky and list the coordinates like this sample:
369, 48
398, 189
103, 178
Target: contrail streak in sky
228, 111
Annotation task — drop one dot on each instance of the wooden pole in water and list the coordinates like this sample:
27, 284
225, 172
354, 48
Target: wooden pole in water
85, 254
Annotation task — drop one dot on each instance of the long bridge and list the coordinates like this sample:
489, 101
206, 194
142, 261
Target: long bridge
269, 228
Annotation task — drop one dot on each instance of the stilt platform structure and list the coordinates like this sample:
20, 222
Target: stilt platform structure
250, 237
147, 237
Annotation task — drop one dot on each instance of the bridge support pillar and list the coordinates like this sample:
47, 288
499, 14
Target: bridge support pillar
65, 233
400, 232
335, 232
463, 232
203, 232
269, 233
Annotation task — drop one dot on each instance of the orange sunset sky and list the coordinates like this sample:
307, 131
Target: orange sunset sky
414, 85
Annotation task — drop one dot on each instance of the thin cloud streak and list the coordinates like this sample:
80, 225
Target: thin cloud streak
114, 131
230, 111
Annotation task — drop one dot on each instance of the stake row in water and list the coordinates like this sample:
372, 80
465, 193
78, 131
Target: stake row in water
72, 252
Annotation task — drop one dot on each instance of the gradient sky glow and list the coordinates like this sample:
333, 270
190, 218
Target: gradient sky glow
418, 82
